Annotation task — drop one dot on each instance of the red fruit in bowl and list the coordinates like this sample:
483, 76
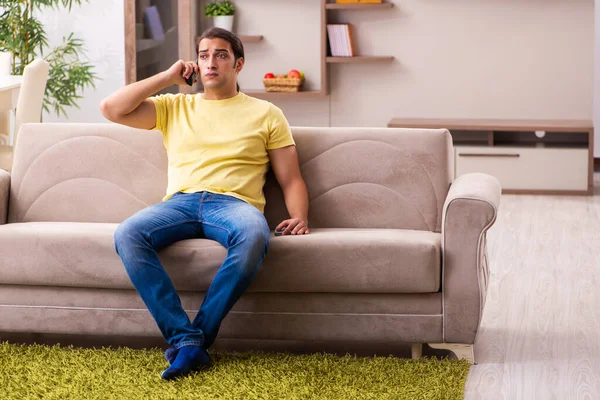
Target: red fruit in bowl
269, 76
293, 73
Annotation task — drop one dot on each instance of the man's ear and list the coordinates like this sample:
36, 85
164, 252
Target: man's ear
239, 64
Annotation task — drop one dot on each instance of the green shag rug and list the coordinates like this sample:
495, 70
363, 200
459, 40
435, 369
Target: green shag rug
55, 372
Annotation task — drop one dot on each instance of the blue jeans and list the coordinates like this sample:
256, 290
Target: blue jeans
240, 227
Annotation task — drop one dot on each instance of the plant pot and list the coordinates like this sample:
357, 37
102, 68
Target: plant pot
225, 22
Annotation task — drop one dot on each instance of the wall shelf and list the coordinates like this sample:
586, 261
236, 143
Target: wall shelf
250, 38
264, 94
379, 6
359, 59
245, 38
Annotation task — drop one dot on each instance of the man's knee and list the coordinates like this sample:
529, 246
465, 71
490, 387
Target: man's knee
262, 238
126, 235
256, 235
253, 240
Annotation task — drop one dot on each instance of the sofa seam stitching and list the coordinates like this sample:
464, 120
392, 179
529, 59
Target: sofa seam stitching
194, 310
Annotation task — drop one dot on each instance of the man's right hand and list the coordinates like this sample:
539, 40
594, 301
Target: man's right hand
180, 71
131, 105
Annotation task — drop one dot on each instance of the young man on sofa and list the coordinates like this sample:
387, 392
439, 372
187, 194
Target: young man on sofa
219, 146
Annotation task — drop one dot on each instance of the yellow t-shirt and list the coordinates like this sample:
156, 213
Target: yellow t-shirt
220, 146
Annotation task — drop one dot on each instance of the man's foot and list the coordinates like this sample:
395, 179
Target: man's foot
188, 359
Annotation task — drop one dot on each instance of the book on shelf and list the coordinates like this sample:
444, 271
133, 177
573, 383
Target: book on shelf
340, 40
152, 19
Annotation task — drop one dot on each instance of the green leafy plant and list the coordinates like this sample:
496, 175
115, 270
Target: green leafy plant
22, 35
219, 8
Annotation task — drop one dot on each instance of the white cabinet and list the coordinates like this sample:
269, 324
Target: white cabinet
522, 168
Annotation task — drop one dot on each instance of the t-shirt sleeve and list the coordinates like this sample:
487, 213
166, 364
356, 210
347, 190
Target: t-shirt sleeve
163, 105
280, 134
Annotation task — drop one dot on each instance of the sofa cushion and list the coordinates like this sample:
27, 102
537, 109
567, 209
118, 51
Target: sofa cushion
328, 260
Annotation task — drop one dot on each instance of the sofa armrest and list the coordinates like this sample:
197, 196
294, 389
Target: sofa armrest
469, 211
4, 195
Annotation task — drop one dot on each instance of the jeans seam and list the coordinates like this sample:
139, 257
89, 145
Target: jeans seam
150, 233
200, 206
220, 227
188, 343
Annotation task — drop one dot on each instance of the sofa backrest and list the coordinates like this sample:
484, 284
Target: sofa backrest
356, 177
370, 177
85, 172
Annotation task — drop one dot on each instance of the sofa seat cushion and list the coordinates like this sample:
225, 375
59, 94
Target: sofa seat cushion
327, 260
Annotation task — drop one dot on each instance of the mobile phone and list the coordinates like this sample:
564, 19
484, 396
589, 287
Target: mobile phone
280, 231
190, 80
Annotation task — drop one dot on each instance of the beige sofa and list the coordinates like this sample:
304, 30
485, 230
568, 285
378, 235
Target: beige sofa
397, 250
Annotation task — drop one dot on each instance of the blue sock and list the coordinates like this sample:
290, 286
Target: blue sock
189, 358
170, 354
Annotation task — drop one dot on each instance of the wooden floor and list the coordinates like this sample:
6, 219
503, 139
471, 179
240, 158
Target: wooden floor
540, 333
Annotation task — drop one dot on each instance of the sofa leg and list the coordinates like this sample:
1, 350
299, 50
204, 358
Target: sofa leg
416, 350
462, 351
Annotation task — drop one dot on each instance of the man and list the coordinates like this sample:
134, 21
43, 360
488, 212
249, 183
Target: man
219, 145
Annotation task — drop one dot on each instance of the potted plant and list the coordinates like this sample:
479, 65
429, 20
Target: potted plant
23, 36
222, 11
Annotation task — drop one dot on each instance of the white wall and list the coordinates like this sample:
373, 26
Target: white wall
464, 59
101, 25
470, 59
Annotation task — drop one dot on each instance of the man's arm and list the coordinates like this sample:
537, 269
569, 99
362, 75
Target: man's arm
130, 105
284, 162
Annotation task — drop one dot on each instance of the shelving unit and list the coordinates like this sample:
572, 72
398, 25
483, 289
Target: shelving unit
187, 38
359, 59
381, 6
357, 7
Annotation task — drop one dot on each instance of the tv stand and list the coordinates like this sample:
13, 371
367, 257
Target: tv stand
526, 156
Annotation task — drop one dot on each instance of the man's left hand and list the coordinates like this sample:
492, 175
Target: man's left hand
294, 226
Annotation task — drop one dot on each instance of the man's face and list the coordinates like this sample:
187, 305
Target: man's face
217, 65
